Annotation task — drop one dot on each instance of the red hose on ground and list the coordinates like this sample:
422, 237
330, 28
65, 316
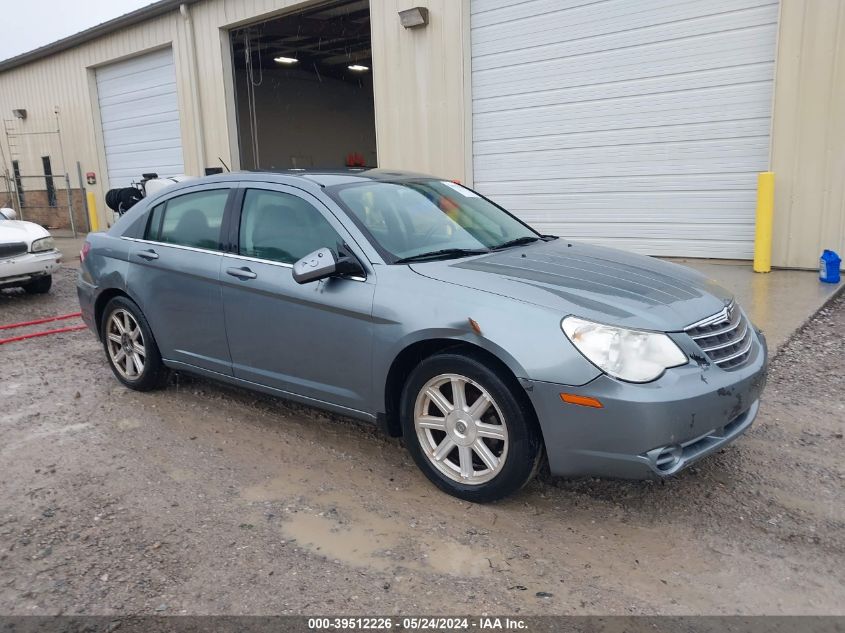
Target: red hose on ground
73, 328
40, 321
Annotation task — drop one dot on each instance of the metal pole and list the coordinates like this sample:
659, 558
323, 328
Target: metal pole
84, 196
17, 200
59, 133
8, 187
11, 182
70, 205
6, 174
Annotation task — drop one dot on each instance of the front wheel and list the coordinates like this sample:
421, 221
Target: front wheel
468, 429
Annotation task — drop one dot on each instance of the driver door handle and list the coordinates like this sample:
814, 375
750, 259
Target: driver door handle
241, 273
148, 255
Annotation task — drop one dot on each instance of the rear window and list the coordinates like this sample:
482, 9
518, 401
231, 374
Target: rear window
190, 220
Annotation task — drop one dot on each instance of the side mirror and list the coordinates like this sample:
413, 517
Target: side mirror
9, 214
322, 264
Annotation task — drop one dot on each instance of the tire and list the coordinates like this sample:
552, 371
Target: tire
507, 428
124, 329
39, 286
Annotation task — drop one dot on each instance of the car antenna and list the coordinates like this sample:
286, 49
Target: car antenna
224, 164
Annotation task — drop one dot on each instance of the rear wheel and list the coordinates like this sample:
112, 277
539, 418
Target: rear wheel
39, 286
130, 347
467, 429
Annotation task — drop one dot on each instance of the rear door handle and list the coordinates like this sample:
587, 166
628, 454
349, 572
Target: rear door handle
241, 273
149, 255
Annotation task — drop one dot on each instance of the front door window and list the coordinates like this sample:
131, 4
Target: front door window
281, 227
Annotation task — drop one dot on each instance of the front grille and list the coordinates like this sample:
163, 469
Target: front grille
725, 338
10, 249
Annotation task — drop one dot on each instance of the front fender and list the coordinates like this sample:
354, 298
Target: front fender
410, 308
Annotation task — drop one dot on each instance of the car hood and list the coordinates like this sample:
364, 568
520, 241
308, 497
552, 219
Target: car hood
19, 231
593, 282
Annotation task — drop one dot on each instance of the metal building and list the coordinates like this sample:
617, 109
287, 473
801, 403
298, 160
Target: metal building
640, 124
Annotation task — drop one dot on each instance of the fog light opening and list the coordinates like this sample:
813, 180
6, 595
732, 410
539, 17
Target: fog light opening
669, 457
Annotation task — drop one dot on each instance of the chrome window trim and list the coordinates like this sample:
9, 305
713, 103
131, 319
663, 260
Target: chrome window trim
257, 260
168, 244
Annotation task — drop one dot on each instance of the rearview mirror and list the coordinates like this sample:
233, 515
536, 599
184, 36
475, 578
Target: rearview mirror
322, 264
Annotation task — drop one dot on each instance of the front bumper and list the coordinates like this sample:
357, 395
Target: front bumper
24, 268
649, 430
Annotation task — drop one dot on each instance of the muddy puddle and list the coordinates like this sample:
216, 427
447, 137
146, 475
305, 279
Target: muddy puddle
349, 533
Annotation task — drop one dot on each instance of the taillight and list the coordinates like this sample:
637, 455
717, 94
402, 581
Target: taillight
86, 248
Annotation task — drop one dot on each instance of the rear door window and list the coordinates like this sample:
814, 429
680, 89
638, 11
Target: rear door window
191, 220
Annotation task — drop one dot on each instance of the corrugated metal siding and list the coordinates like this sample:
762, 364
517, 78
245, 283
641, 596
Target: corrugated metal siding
420, 116
634, 124
67, 81
139, 114
808, 139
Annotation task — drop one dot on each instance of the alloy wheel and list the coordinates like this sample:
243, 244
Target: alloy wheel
461, 429
125, 343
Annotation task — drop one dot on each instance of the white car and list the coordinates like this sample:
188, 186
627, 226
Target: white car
28, 255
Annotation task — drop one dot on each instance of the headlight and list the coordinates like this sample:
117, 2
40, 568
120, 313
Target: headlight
44, 244
630, 355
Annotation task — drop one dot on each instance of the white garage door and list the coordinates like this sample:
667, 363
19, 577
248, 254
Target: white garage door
140, 117
639, 124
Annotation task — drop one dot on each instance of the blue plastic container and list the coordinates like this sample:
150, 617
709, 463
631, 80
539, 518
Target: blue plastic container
829, 264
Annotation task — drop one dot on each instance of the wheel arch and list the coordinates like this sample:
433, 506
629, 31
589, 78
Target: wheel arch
413, 353
102, 301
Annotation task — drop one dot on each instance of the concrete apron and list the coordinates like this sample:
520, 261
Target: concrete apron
779, 302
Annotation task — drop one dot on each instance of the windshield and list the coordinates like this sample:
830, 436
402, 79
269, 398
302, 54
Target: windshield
408, 219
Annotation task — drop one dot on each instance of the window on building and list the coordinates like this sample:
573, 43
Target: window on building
190, 220
48, 179
16, 170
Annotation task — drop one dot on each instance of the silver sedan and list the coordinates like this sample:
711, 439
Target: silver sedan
419, 305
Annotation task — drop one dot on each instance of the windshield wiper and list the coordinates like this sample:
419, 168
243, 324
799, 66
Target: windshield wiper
443, 253
526, 239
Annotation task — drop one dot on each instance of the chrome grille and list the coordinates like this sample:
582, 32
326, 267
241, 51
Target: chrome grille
10, 249
725, 337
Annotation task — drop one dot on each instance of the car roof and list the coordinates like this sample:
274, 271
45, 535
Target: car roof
321, 177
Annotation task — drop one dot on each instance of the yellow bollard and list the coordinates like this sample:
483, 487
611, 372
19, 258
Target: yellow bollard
92, 212
763, 225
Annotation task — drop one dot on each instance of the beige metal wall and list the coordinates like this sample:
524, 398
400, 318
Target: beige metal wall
419, 75
66, 81
808, 135
421, 86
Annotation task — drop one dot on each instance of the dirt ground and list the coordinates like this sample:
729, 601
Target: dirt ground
204, 499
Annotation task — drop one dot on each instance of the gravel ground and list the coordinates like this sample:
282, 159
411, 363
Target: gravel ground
204, 499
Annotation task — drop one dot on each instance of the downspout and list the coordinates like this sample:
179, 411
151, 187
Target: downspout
199, 130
